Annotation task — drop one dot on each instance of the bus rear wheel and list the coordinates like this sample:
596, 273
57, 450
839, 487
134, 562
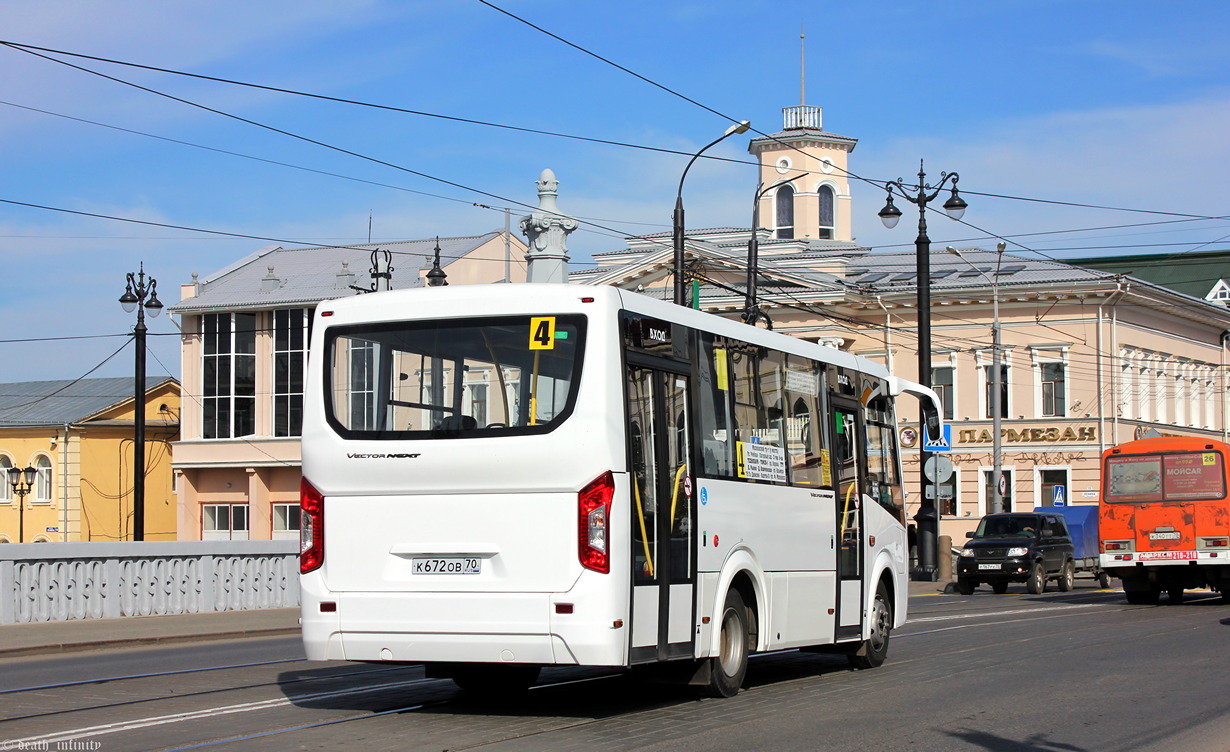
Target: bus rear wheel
871, 652
727, 669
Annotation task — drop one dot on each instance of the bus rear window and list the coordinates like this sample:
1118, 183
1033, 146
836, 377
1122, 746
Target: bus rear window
1180, 476
453, 378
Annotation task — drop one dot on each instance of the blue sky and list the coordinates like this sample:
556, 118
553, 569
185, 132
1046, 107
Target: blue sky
1119, 104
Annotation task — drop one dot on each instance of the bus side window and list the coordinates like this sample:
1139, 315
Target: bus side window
713, 417
882, 457
805, 435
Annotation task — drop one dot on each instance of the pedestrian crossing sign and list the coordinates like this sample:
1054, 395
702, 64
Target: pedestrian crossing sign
942, 444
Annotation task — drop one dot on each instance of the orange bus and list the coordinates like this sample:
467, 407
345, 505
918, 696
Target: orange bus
1164, 517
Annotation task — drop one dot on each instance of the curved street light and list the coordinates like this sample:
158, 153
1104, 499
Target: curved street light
677, 220
751, 310
923, 194
140, 295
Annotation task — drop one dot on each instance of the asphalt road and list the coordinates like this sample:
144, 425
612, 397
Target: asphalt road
1061, 671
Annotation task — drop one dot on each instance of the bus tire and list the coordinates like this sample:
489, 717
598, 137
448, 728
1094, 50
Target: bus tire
1175, 594
1036, 583
871, 652
1103, 580
1067, 576
729, 666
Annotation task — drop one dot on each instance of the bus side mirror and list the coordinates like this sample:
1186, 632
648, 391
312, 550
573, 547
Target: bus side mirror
931, 422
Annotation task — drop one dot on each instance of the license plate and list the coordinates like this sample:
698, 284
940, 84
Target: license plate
1164, 536
447, 565
988, 566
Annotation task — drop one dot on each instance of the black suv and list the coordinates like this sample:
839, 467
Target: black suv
1027, 547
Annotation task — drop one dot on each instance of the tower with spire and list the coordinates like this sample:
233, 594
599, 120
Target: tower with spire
816, 204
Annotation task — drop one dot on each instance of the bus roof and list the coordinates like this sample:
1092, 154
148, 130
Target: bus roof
463, 301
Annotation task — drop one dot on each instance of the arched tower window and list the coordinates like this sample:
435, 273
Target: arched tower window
785, 212
827, 213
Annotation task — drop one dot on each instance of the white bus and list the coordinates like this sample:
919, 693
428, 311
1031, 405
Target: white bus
501, 478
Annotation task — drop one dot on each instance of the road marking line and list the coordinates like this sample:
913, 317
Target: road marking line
991, 614
140, 723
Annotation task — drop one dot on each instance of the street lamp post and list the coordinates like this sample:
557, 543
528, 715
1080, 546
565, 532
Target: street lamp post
927, 517
996, 403
677, 220
140, 295
751, 310
22, 482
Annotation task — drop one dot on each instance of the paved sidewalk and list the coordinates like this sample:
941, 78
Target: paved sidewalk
94, 634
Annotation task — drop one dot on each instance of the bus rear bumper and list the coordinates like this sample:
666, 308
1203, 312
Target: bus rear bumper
461, 628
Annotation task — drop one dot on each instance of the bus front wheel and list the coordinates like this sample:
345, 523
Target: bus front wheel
727, 669
871, 652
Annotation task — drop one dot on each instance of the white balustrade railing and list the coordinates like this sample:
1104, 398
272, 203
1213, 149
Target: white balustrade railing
41, 582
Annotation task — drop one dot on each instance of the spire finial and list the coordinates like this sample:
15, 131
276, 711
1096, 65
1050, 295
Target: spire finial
802, 67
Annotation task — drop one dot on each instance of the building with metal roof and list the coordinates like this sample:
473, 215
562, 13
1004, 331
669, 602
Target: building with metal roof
1090, 357
77, 439
244, 349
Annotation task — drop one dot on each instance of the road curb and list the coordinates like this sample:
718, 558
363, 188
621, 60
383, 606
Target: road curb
84, 645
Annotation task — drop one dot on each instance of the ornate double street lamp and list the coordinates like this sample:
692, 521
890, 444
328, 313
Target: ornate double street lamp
677, 224
22, 482
751, 310
140, 295
921, 195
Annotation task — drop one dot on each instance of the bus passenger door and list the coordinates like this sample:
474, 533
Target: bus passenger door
849, 465
664, 567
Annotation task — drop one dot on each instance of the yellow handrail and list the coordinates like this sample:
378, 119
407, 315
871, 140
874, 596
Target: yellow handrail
636, 491
845, 512
675, 494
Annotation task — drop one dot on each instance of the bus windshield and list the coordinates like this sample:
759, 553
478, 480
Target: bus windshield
1177, 476
453, 378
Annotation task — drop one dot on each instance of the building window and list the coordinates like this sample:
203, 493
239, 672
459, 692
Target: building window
6, 489
229, 375
827, 213
942, 383
286, 522
1003, 390
1005, 484
785, 212
42, 480
1054, 403
224, 522
1053, 490
946, 491
290, 338
362, 387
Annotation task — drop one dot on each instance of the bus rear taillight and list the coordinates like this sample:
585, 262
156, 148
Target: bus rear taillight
311, 528
594, 514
